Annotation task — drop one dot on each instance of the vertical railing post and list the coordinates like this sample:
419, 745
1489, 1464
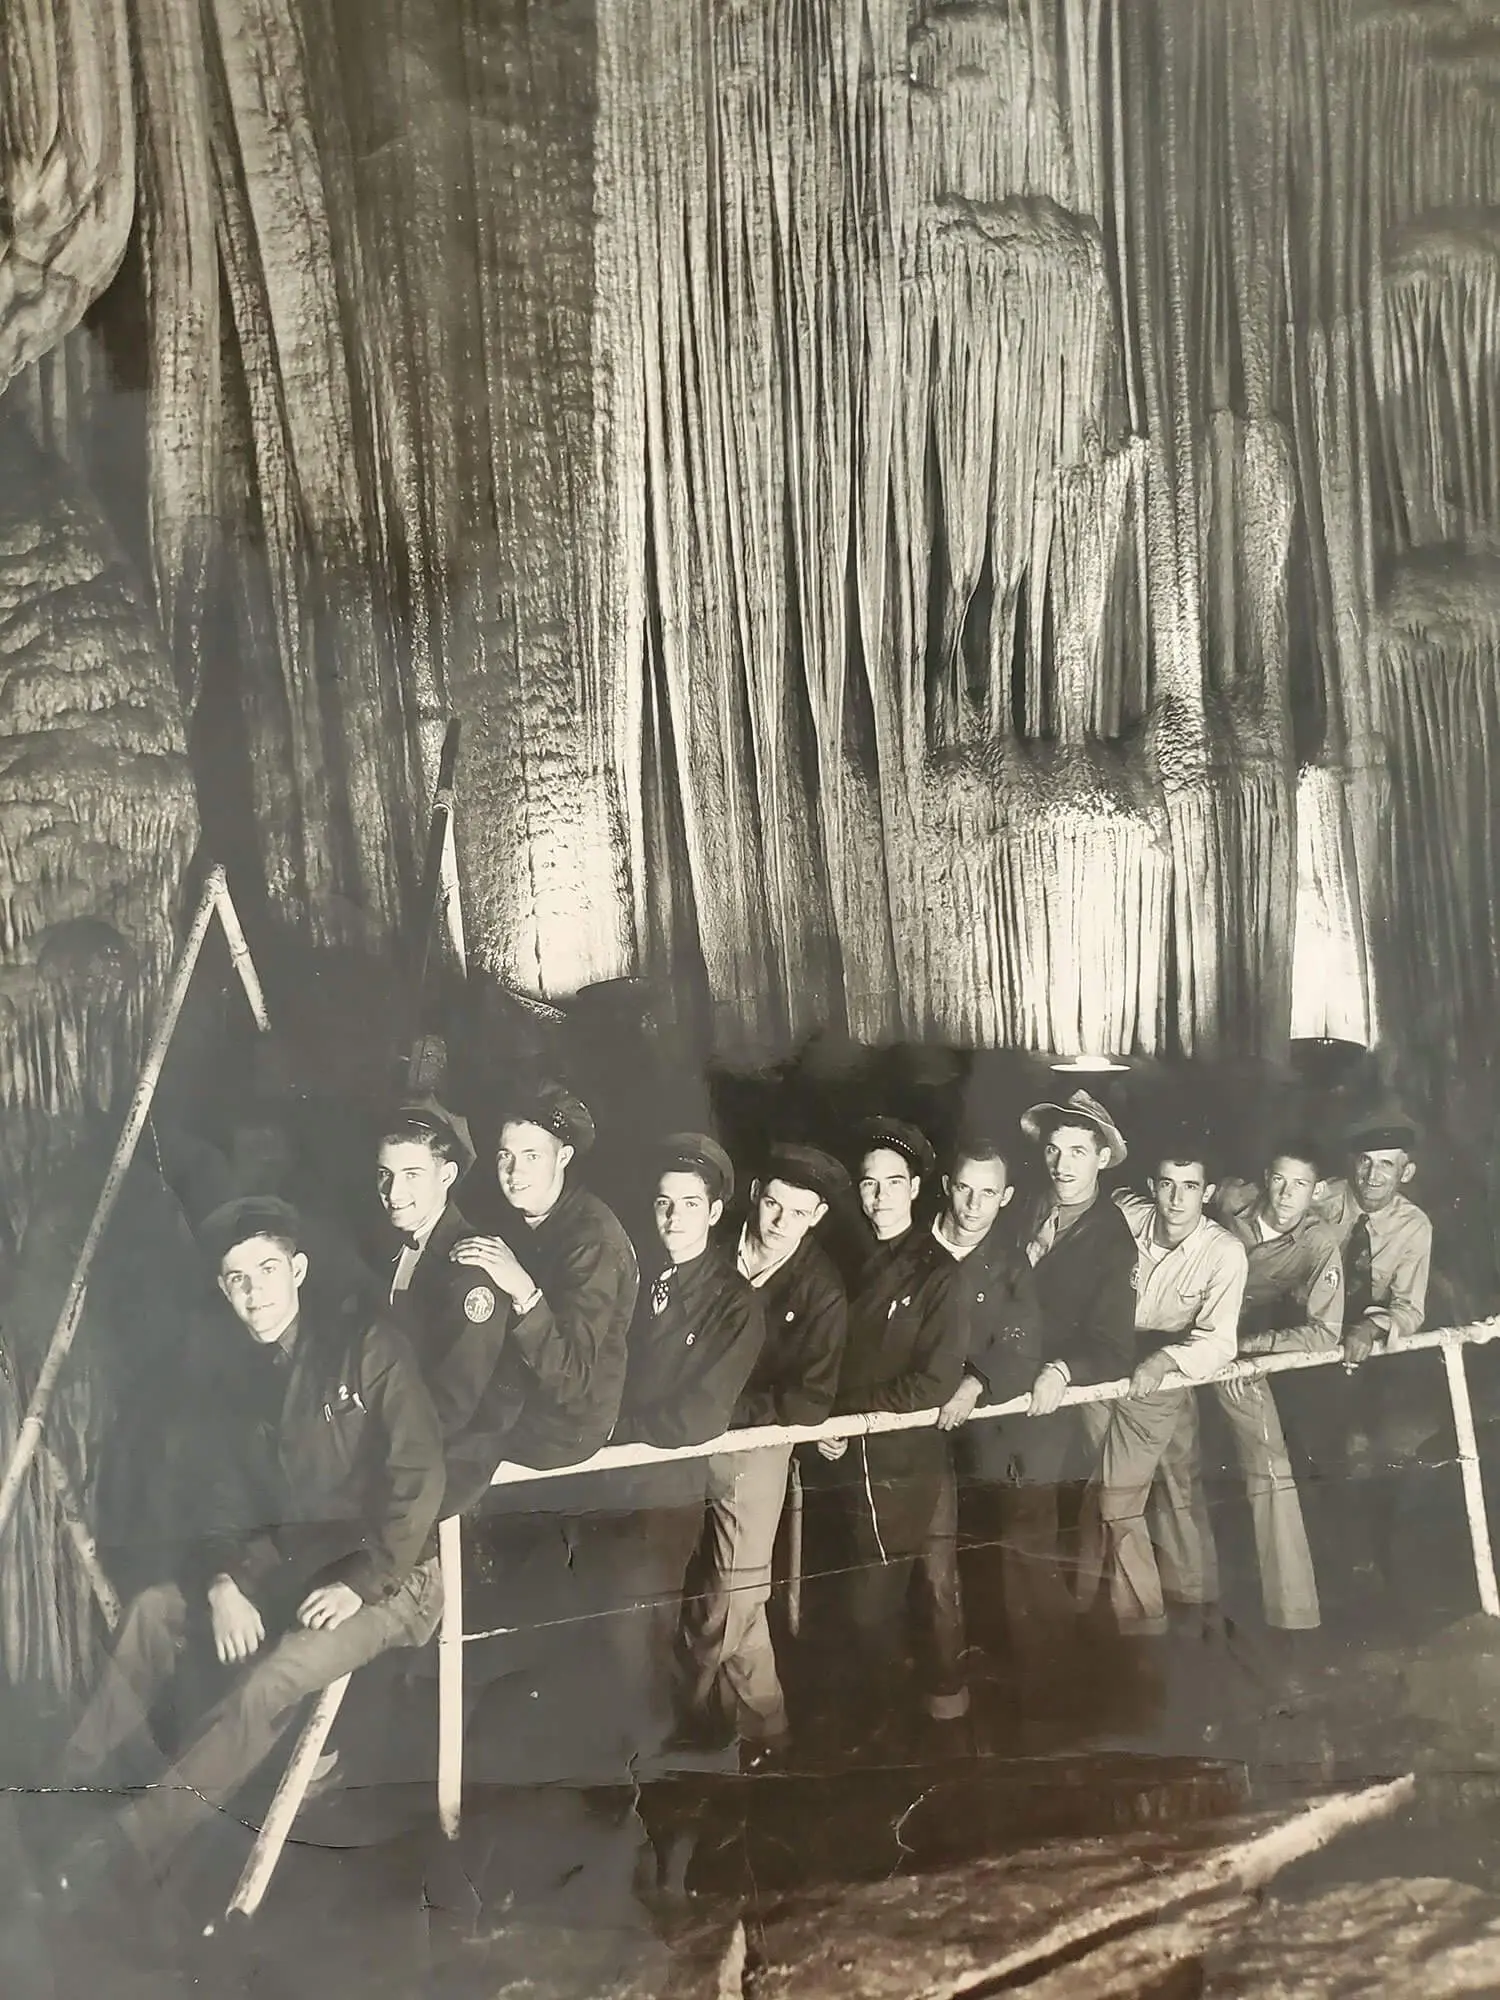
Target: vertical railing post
450, 1785
1468, 1459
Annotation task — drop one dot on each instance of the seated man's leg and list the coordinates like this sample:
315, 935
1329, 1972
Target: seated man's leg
142, 1659
1140, 1430
725, 1630
1289, 1590
240, 1732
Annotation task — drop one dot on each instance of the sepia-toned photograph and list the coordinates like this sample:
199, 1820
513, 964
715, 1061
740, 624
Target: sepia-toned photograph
749, 999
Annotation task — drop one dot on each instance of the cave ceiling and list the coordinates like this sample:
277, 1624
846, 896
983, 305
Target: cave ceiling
973, 521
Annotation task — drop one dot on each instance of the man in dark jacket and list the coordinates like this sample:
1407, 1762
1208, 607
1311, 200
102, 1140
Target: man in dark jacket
905, 1352
1083, 1256
698, 1332
568, 1274
452, 1311
1004, 1321
734, 1678
327, 1474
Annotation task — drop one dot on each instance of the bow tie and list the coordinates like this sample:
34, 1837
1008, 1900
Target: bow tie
406, 1241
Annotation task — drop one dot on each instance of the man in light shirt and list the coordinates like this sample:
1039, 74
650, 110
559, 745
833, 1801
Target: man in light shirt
731, 1664
1190, 1284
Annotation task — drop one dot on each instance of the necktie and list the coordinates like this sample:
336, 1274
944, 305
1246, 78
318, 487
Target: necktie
1359, 1279
1044, 1238
406, 1264
661, 1291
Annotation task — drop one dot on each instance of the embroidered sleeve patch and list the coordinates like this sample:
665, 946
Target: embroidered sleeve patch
479, 1304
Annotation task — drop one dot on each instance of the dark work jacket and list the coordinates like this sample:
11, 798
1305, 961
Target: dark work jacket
807, 1320
556, 1393
905, 1351
1086, 1284
456, 1320
326, 1469
1003, 1313
686, 1371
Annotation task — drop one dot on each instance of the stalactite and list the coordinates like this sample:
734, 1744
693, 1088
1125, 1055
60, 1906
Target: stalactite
67, 149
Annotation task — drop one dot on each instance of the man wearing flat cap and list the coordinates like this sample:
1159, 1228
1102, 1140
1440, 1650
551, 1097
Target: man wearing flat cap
905, 1352
452, 1311
733, 1673
568, 1274
317, 1552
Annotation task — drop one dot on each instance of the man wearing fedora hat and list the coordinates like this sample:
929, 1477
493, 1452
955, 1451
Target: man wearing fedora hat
453, 1313
1345, 1425
1083, 1258
568, 1273
733, 1672
905, 1352
324, 1479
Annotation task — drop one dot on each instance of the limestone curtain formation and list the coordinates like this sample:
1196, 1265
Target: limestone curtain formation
1021, 418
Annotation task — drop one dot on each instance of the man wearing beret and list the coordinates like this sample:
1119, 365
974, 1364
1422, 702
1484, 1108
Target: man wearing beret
698, 1331
733, 1673
568, 1274
326, 1477
452, 1311
905, 1352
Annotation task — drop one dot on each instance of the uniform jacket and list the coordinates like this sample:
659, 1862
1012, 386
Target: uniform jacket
998, 1297
556, 1392
1400, 1255
456, 1319
796, 1377
1294, 1294
905, 1351
1086, 1285
328, 1467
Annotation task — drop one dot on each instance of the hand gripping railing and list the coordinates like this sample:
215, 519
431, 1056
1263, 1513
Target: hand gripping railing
1451, 1341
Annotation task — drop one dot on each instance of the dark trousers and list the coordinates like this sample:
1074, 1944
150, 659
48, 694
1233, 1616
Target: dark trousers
243, 1726
1014, 1468
942, 1628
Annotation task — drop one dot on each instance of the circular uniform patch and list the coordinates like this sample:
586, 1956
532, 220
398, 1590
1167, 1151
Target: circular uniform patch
479, 1303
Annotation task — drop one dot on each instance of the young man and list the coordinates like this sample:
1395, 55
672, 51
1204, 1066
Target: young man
327, 1476
725, 1633
1083, 1258
1293, 1305
905, 1351
1190, 1284
698, 1332
452, 1311
568, 1274
1004, 1321
1345, 1428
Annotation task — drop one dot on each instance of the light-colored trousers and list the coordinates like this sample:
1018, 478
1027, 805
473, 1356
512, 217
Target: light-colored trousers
1156, 1437
1289, 1589
731, 1663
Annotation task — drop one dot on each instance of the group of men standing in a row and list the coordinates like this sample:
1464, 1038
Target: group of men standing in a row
349, 1422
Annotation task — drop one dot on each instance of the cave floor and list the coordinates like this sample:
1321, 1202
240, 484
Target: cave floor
700, 1882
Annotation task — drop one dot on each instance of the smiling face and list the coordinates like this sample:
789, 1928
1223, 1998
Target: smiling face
530, 1166
1290, 1186
1179, 1190
413, 1182
977, 1190
887, 1190
1378, 1177
261, 1278
781, 1215
684, 1213
1074, 1156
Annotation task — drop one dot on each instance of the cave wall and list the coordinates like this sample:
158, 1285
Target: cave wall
952, 520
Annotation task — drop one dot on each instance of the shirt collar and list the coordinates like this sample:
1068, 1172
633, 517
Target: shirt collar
767, 1271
